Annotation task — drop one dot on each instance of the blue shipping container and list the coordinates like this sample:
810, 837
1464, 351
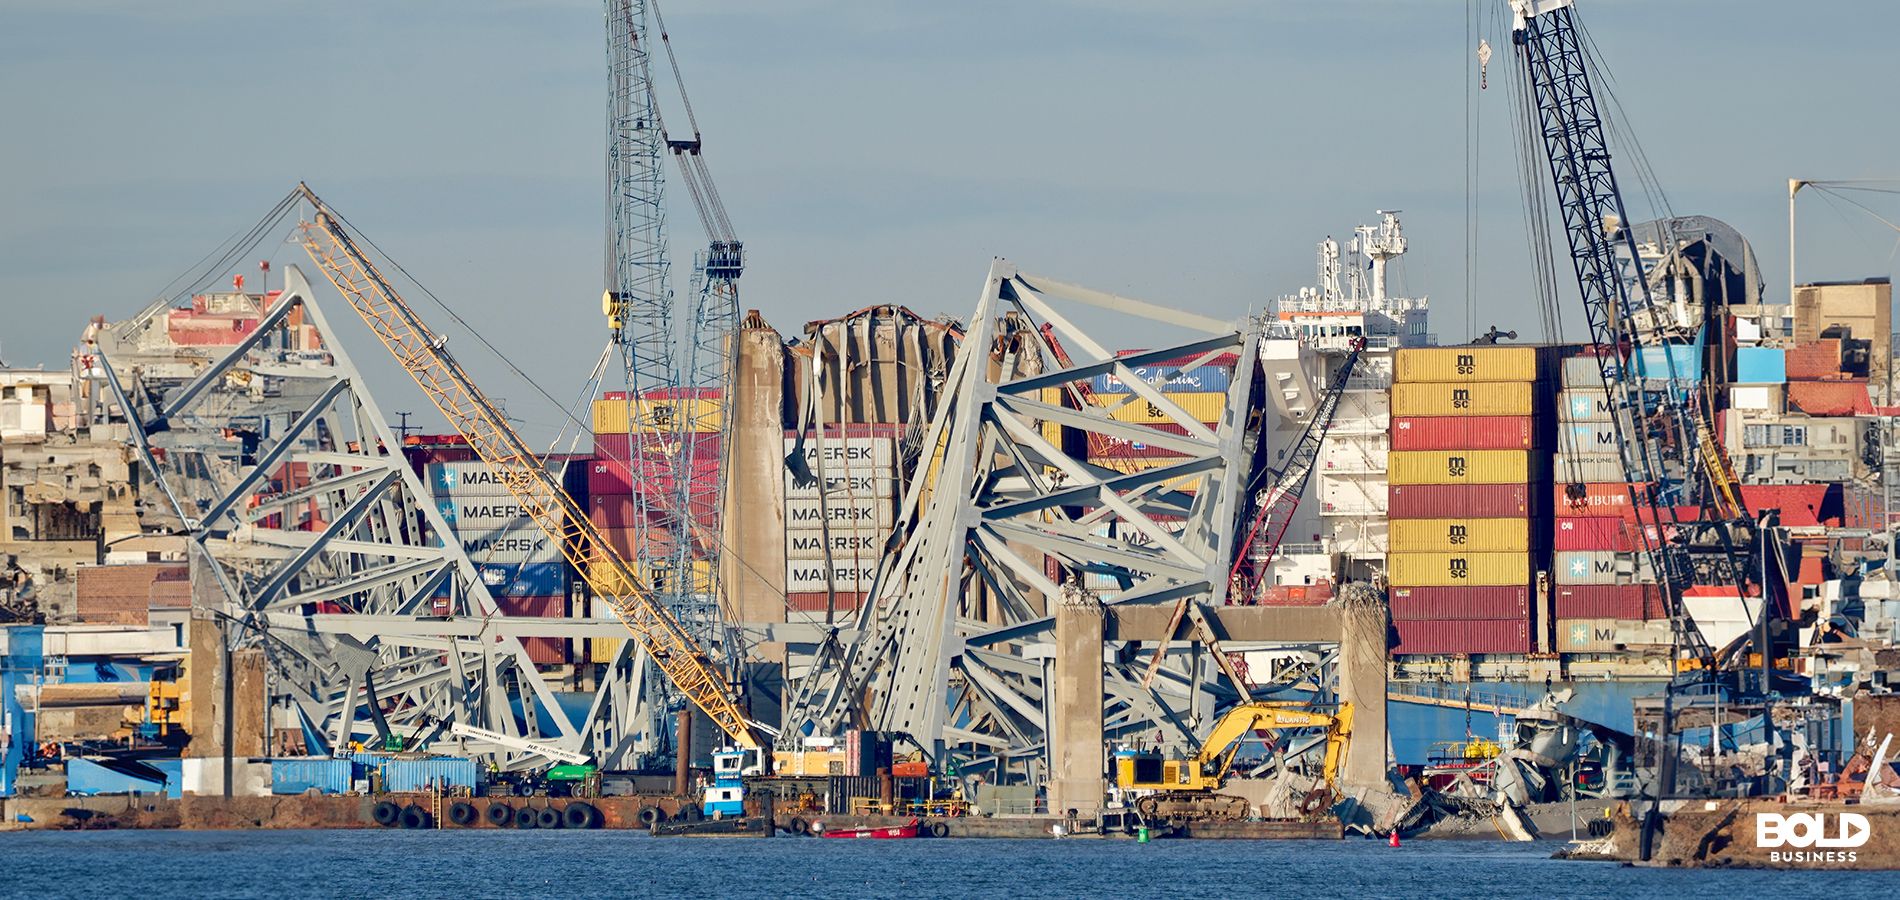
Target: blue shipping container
1761, 365
445, 773
1203, 379
1682, 362
86, 777
545, 579
322, 774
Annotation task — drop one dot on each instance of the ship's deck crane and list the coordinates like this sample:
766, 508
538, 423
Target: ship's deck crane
1286, 483
1668, 432
425, 356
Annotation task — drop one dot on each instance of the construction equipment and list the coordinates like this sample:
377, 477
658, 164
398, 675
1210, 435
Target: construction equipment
1286, 482
1187, 788
425, 356
1664, 436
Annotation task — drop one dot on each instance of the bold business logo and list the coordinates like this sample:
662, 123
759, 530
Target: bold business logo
1455, 466
1467, 364
1809, 836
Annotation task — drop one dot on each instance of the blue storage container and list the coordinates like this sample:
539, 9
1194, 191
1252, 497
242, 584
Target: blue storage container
297, 776
1202, 380
1682, 362
446, 773
1761, 365
87, 777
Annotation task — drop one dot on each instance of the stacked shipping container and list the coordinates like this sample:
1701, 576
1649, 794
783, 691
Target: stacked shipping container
1600, 574
836, 522
523, 568
1464, 500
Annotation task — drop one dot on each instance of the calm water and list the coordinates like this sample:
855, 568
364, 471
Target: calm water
461, 865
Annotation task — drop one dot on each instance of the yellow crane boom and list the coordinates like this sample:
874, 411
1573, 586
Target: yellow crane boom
425, 357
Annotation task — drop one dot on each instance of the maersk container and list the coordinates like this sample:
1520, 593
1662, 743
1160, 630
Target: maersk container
1466, 364
1454, 569
1500, 398
1459, 467
1600, 567
1464, 433
1473, 501
301, 775
1445, 603
1761, 365
437, 773
1197, 380
1607, 601
1586, 373
1584, 405
1445, 637
1455, 535
1588, 437
1587, 468
1609, 635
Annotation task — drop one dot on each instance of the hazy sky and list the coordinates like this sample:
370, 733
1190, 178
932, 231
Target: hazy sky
1187, 152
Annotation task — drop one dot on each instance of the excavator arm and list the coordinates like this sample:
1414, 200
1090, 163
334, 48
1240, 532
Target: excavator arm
1223, 743
425, 356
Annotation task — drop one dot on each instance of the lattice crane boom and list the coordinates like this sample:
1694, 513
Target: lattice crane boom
425, 356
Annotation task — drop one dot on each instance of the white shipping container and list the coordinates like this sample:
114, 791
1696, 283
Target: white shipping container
1588, 438
845, 544
805, 576
1588, 468
518, 545
857, 513
854, 455
464, 479
850, 485
1600, 567
1584, 406
1582, 372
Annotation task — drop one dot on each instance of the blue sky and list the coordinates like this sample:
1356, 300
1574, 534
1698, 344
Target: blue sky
1188, 153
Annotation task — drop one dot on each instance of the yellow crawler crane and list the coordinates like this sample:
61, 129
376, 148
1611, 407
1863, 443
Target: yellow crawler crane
1186, 789
425, 357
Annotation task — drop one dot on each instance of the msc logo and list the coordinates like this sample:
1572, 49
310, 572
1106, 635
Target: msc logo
1459, 568
1467, 364
1455, 534
1460, 398
1455, 466
1804, 830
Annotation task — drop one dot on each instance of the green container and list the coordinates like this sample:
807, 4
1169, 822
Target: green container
572, 773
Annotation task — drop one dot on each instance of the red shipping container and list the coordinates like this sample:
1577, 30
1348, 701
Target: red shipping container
1436, 637
1596, 533
545, 651
1604, 499
811, 602
1105, 447
606, 477
1464, 433
1830, 398
1447, 603
656, 447
1607, 601
532, 607
1814, 360
1470, 501
608, 511
1296, 595
1801, 505
626, 542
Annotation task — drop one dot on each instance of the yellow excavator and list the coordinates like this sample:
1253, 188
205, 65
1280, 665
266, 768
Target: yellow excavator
1187, 789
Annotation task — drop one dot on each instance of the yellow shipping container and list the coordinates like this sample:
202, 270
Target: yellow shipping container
1459, 535
1190, 483
1201, 406
1465, 364
607, 581
610, 416
1457, 569
1458, 467
1491, 398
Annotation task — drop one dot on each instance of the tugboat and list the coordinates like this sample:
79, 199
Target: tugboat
722, 810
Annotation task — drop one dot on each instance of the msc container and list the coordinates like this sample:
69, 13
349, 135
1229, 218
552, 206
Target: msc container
1200, 406
1466, 364
1588, 437
1600, 567
1502, 398
1473, 501
1761, 365
313, 773
1607, 601
705, 415
439, 773
1464, 433
1454, 569
523, 580
1587, 468
1204, 379
1673, 362
1459, 467
1489, 602
1442, 637
1455, 535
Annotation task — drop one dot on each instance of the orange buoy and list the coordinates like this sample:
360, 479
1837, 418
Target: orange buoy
1394, 842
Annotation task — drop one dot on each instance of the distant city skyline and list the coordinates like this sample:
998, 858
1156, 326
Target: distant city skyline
1192, 154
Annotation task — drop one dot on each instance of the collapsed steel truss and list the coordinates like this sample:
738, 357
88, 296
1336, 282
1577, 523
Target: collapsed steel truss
373, 624
952, 647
